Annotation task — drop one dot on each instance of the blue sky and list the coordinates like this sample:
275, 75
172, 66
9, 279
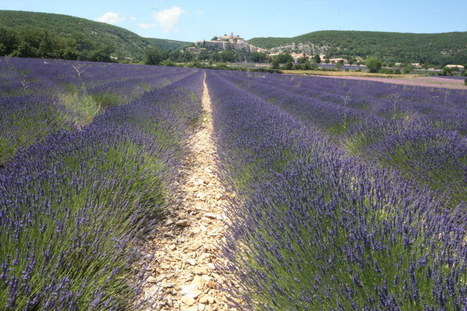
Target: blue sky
197, 20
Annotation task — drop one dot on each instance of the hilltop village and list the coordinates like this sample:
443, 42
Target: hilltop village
231, 41
235, 42
238, 44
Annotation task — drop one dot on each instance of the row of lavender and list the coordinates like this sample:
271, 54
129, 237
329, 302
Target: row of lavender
417, 130
315, 229
39, 97
75, 205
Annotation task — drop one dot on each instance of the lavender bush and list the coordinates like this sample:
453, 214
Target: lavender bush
39, 97
75, 206
379, 122
316, 229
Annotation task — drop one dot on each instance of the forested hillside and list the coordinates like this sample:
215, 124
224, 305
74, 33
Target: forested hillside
436, 49
31, 34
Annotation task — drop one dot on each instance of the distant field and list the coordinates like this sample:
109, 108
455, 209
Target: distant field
345, 73
408, 79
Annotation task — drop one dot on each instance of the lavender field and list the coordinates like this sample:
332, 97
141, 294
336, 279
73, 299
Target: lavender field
88, 156
350, 195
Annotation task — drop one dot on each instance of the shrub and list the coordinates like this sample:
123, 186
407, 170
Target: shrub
373, 64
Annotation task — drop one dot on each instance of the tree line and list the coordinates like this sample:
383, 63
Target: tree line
28, 41
155, 56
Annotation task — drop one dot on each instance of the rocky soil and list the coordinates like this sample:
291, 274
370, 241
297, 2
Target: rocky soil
187, 271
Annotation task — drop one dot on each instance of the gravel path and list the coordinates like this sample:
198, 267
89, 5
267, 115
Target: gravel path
187, 268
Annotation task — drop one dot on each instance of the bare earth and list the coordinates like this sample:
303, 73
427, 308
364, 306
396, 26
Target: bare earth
186, 270
404, 79
438, 82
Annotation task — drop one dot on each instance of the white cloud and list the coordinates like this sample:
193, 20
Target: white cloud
110, 18
200, 12
168, 18
146, 26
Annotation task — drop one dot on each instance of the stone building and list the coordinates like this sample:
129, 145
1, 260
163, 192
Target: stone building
230, 42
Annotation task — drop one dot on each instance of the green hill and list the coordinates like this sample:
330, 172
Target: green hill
168, 45
436, 49
80, 31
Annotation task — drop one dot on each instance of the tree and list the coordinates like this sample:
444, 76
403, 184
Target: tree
284, 58
317, 59
25, 50
257, 57
302, 66
69, 53
303, 63
303, 59
187, 57
373, 64
168, 62
152, 56
408, 68
102, 53
8, 40
275, 63
47, 46
228, 56
339, 65
288, 65
447, 71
